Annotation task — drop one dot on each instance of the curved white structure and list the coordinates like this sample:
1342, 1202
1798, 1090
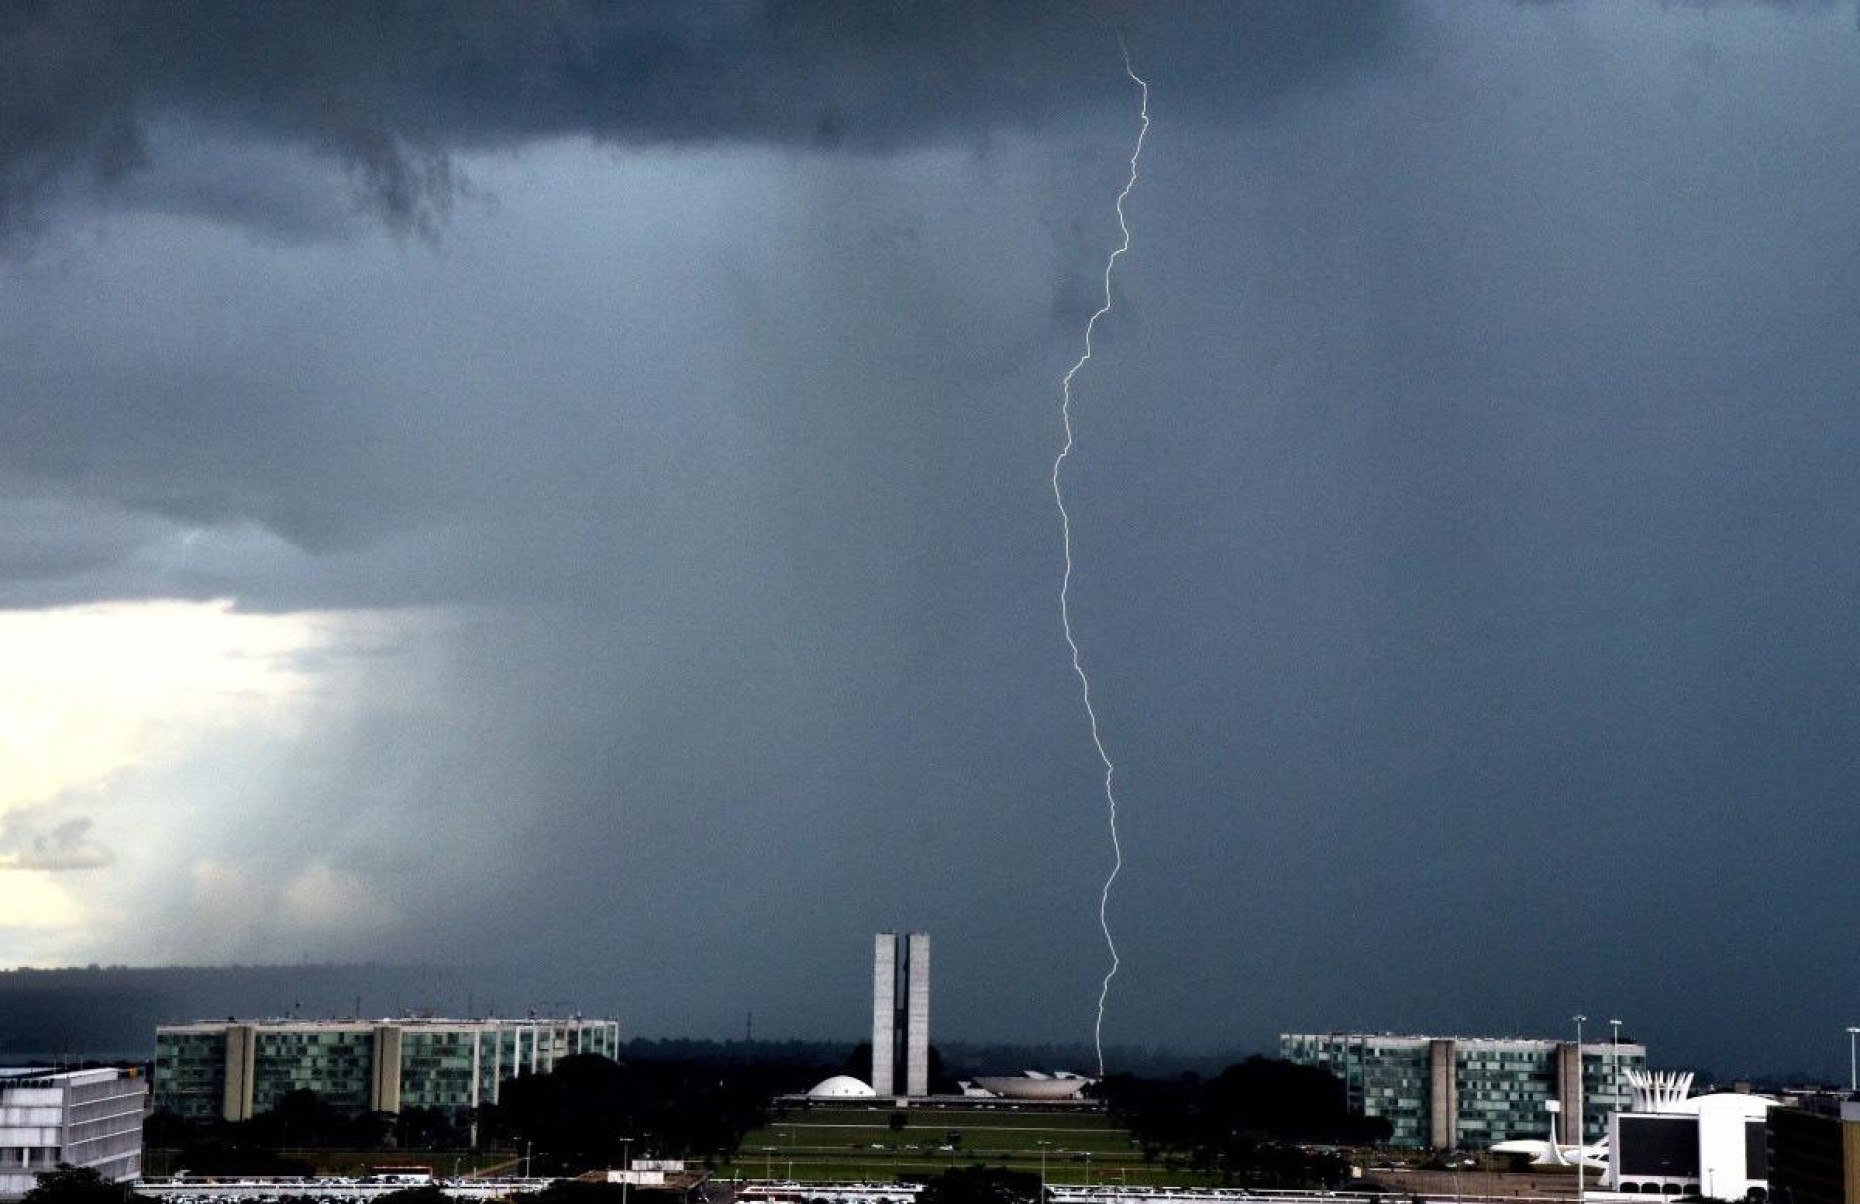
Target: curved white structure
841, 1086
1032, 1086
1552, 1153
1660, 1090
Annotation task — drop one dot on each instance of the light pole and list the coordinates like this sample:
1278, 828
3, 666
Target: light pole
626, 1166
1043, 1145
1853, 1065
1614, 1065
1581, 1136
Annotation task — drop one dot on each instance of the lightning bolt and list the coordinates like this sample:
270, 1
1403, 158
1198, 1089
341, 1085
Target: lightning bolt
1065, 584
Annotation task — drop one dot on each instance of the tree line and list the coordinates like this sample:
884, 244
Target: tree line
1262, 1122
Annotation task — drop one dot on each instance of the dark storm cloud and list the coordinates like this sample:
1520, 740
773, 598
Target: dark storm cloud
394, 90
1466, 545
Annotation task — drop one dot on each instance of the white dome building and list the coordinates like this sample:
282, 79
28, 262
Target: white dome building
841, 1086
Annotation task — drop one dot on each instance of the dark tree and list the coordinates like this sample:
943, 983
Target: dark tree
574, 1191
300, 1118
1289, 1102
981, 1185
419, 1128
576, 1115
223, 1156
1249, 1123
66, 1184
427, 1194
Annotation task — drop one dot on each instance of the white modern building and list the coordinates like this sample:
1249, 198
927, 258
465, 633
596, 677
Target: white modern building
1713, 1146
87, 1118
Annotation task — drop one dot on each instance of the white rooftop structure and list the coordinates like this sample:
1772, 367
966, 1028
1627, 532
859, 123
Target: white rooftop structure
841, 1086
1705, 1145
1660, 1090
1033, 1085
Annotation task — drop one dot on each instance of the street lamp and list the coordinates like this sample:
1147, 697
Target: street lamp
1853, 1066
626, 1166
1614, 1065
1043, 1145
1580, 1109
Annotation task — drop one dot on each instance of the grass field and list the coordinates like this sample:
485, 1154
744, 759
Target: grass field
860, 1143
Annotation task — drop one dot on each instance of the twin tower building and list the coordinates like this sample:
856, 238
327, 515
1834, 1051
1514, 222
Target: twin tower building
901, 1014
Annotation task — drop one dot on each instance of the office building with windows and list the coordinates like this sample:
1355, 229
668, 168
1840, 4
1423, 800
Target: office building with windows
85, 1118
1814, 1150
236, 1069
1473, 1092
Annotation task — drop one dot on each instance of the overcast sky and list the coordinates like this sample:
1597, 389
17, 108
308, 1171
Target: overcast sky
567, 486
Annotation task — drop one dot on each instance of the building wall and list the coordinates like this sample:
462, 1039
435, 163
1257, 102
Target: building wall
236, 1092
1506, 1089
192, 1065
1714, 1149
335, 1061
87, 1118
1443, 1096
437, 1070
1466, 1092
1568, 1068
884, 1012
1814, 1155
234, 1070
385, 1072
917, 1015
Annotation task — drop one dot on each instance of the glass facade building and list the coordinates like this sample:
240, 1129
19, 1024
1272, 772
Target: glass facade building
236, 1069
1473, 1092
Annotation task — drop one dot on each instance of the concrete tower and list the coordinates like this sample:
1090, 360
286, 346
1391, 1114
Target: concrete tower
885, 1013
917, 1014
901, 1014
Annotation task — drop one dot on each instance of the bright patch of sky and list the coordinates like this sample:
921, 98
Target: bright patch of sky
123, 728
